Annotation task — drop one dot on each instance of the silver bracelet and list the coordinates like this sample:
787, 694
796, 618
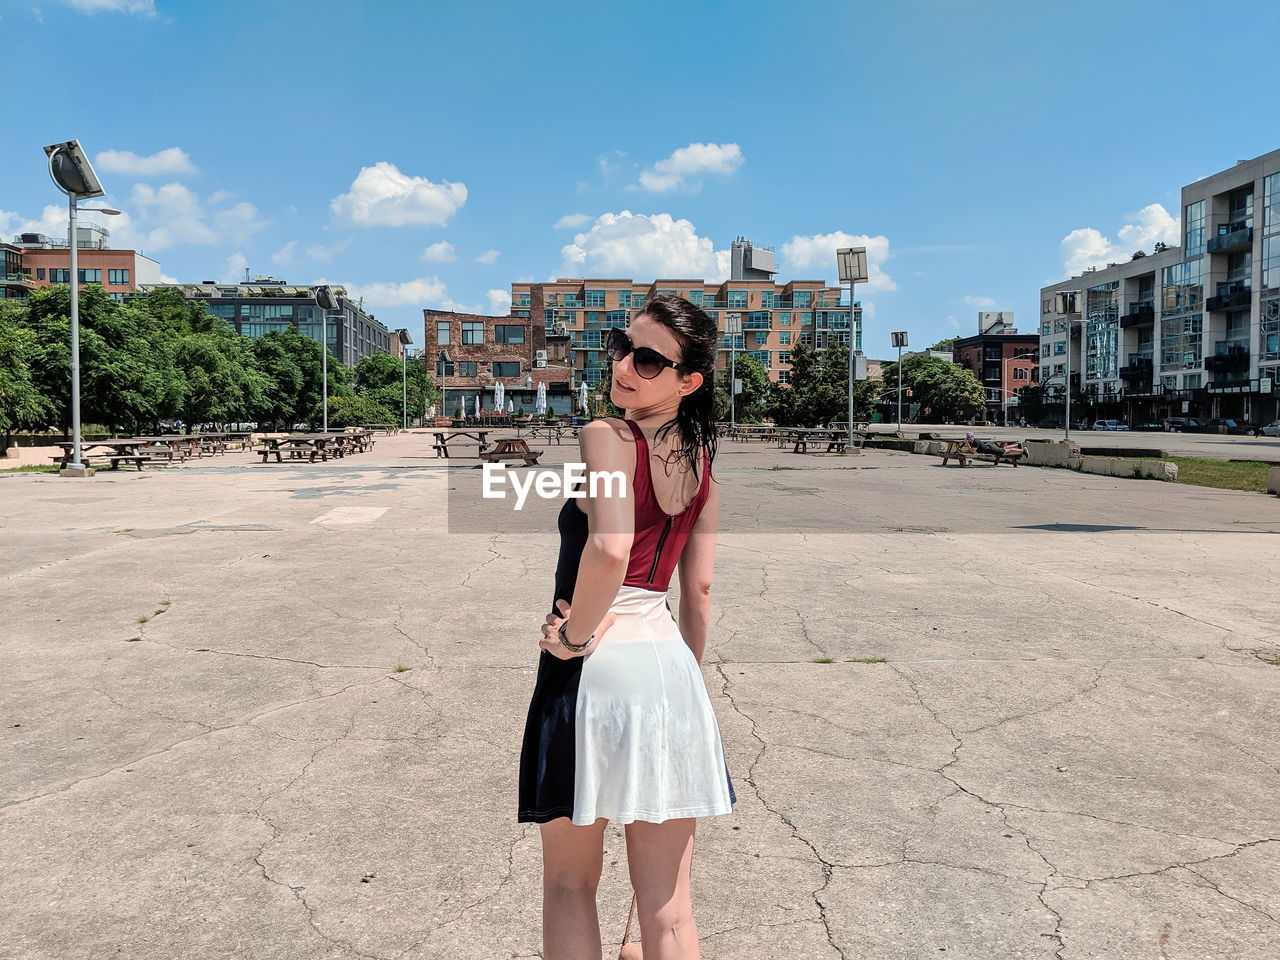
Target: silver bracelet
575, 647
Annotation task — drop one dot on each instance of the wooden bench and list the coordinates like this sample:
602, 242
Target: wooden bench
959, 450
511, 449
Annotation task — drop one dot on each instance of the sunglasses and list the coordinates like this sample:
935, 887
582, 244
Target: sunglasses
648, 363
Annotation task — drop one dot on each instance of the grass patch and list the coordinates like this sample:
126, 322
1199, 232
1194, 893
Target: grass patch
868, 660
133, 640
1271, 658
823, 660
403, 669
165, 603
783, 468
31, 468
143, 619
1224, 474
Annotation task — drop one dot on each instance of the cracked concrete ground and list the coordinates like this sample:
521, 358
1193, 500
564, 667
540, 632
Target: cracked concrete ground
239, 721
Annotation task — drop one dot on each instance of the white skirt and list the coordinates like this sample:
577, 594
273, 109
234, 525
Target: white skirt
646, 744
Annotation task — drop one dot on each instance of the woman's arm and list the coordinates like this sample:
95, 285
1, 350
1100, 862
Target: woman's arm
696, 563
611, 522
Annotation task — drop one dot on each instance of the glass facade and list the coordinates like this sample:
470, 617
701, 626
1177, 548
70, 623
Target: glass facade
1102, 328
1182, 316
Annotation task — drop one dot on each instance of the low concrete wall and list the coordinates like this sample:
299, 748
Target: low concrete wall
1273, 480
1062, 454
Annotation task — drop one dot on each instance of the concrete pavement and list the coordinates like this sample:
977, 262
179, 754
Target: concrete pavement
274, 711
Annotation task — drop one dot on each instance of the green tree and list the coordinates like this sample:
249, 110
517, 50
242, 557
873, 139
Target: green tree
818, 391
383, 379
950, 392
21, 403
351, 410
753, 403
947, 344
304, 353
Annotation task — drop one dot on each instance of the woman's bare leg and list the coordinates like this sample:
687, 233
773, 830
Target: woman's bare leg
659, 857
572, 858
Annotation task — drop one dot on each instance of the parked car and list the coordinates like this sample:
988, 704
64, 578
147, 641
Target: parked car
1157, 427
1108, 425
1228, 425
1182, 425
1272, 429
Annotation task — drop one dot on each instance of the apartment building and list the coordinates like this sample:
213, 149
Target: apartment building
774, 316
1190, 330
262, 304
119, 272
1003, 359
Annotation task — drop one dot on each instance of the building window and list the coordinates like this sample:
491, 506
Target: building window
1194, 221
508, 333
59, 275
506, 368
738, 298
90, 275
695, 297
1059, 348
784, 318
802, 298
442, 332
784, 356
1021, 373
40, 273
806, 339
118, 276
467, 368
472, 332
784, 338
227, 311
595, 298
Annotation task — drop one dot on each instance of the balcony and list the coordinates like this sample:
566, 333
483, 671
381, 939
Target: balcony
1139, 368
22, 280
1234, 298
1229, 357
1231, 238
1139, 314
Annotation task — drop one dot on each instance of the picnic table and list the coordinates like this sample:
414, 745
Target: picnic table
511, 448
120, 449
836, 439
960, 450
548, 431
475, 438
300, 446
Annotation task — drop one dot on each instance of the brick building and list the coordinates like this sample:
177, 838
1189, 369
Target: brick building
1004, 361
119, 272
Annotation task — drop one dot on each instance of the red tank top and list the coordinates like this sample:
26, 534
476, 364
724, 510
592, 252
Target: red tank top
660, 537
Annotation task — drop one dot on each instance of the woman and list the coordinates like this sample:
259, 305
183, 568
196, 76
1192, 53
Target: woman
620, 726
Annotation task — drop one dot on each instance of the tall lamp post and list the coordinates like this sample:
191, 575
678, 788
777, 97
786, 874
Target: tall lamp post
733, 326
852, 262
444, 359
899, 341
73, 175
326, 300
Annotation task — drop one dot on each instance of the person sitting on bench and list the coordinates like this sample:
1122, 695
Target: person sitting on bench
1010, 449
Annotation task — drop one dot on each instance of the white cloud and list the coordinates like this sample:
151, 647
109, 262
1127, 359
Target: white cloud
52, 222
234, 271
688, 162
610, 164
145, 8
1086, 247
165, 278
818, 252
324, 254
173, 215
979, 301
572, 220
644, 246
500, 302
382, 196
441, 252
489, 256
237, 223
422, 292
284, 256
168, 162
952, 322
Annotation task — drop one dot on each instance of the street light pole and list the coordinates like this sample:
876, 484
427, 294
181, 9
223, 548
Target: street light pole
404, 383
852, 264
72, 242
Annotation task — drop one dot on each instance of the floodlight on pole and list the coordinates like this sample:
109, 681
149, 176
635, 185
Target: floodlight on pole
72, 173
899, 341
852, 264
326, 300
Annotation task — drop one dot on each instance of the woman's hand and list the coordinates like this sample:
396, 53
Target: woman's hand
550, 641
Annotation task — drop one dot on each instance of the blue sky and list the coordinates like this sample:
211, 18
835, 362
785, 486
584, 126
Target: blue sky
428, 154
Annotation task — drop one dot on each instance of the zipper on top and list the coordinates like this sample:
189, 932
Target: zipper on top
657, 550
